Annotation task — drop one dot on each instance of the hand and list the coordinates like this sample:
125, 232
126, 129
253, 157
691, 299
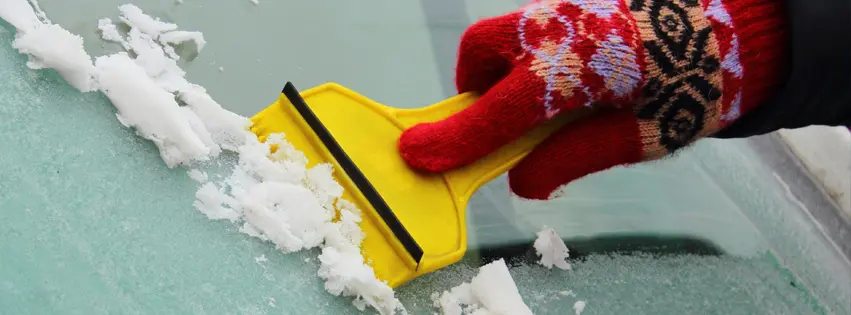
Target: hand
660, 74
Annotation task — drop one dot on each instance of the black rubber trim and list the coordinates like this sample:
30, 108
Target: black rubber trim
354, 173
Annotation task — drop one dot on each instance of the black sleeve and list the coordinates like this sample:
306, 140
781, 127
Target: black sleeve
816, 89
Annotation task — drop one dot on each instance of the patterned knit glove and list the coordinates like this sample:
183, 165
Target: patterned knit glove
659, 75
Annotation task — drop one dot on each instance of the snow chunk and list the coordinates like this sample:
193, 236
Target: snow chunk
177, 37
109, 31
152, 111
347, 275
552, 249
492, 291
227, 129
51, 46
578, 307
214, 203
286, 214
154, 29
152, 57
320, 181
133, 16
20, 14
214, 126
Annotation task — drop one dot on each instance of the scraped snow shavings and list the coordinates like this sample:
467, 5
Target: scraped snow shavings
134, 16
177, 37
153, 28
109, 32
149, 109
492, 291
214, 203
51, 46
552, 249
211, 125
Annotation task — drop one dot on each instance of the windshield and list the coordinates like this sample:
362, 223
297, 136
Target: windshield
92, 221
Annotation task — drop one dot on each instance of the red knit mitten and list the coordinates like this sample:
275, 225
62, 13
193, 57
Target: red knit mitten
669, 72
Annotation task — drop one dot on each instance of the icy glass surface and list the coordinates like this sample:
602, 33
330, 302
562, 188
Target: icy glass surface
92, 222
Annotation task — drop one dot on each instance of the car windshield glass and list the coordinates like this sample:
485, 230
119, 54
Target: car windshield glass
92, 219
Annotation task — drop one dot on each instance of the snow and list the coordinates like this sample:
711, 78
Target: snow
492, 291
826, 153
51, 46
153, 112
552, 249
214, 203
20, 14
108, 31
578, 307
39, 12
133, 16
177, 37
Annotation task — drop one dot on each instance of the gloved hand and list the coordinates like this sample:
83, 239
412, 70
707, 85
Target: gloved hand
659, 74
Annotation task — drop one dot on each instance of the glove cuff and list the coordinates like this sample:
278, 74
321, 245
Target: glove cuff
753, 38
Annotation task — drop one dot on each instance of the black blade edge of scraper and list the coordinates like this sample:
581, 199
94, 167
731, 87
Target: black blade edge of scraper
354, 173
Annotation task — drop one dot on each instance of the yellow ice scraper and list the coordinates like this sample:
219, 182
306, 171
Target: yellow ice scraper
414, 222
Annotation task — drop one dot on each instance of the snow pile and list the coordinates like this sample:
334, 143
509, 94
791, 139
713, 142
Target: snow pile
552, 249
51, 46
184, 134
146, 28
277, 199
152, 111
491, 292
826, 153
20, 14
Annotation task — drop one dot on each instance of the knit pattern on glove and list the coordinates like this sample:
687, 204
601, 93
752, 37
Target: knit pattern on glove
660, 74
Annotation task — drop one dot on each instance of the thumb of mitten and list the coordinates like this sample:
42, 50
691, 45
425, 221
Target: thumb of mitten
507, 111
